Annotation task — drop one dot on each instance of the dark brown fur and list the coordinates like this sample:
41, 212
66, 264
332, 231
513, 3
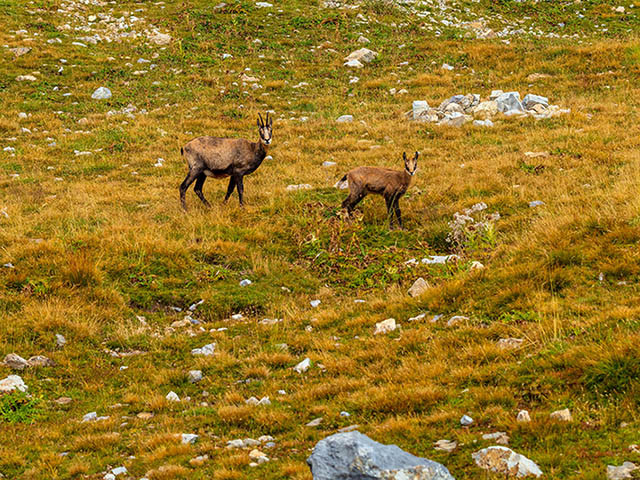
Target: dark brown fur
391, 184
224, 157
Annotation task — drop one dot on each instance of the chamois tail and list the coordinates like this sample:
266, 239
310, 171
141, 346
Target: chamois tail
342, 184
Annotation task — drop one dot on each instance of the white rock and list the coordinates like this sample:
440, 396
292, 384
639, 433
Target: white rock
363, 39
109, 476
500, 438
26, 78
246, 282
263, 5
60, 341
11, 383
620, 9
315, 422
509, 343
446, 66
15, 362
445, 445
509, 102
302, 186
160, 38
456, 319
417, 317
206, 350
419, 108
386, 326
90, 417
195, 376
264, 401
353, 64
466, 420
101, 93
623, 471
189, 438
562, 415
505, 461
303, 366
345, 119
535, 203
315, 303
119, 471
483, 123
530, 100
475, 265
419, 287
172, 396
328, 164
523, 416
363, 55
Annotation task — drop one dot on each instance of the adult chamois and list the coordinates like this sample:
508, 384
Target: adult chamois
224, 157
391, 184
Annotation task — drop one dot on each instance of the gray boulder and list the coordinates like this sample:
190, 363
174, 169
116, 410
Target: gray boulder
354, 456
530, 100
509, 101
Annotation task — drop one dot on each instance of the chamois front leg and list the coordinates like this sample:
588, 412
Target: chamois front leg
191, 177
352, 200
230, 189
240, 187
198, 189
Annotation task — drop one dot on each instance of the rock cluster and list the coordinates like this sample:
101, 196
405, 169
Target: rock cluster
460, 109
505, 461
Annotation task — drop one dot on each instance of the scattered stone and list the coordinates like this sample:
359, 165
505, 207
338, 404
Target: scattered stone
619, 9
535, 203
510, 343
40, 361
195, 376
11, 383
189, 438
456, 319
523, 416
101, 93
63, 400
328, 164
90, 417
531, 100
161, 38
19, 51
15, 362
362, 39
303, 366
509, 102
445, 445
536, 154
466, 420
345, 119
537, 76
207, 350
263, 5
353, 64
119, 471
315, 303
475, 265
172, 396
420, 109
258, 456
483, 123
446, 66
505, 461
354, 456
562, 415
145, 415
246, 282
345, 414
302, 186
501, 438
486, 109
386, 326
419, 287
623, 471
26, 78
363, 55
315, 422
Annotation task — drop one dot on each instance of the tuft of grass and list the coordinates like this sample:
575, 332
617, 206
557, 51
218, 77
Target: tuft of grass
19, 407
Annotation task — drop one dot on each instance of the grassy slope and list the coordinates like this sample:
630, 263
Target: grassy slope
116, 245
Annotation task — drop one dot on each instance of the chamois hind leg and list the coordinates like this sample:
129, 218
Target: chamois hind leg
352, 200
390, 204
198, 189
230, 189
191, 177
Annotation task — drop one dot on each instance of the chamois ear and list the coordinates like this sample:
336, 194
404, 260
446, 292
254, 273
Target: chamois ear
416, 156
260, 121
270, 121
404, 156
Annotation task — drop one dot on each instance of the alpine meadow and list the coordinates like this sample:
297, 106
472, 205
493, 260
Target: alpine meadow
490, 332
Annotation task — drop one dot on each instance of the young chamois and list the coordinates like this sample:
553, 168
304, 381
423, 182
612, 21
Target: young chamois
224, 157
391, 184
